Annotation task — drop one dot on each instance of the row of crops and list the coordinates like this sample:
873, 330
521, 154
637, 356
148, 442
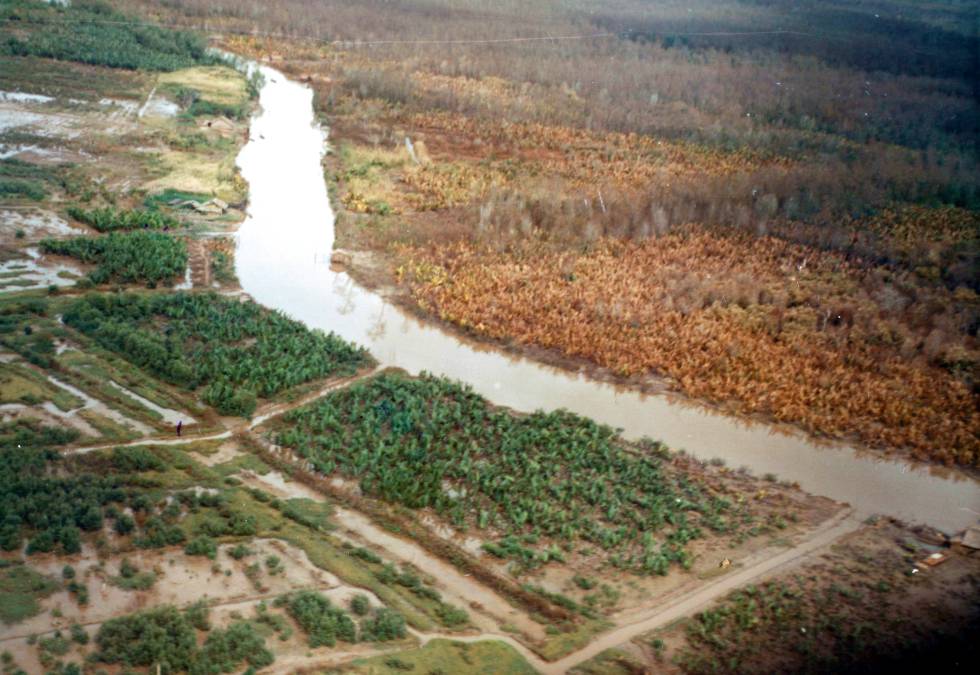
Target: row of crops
430, 442
109, 219
91, 32
236, 350
128, 257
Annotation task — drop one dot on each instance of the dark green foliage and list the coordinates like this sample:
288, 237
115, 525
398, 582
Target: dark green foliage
34, 181
202, 545
78, 634
225, 649
366, 554
157, 534
30, 433
50, 648
80, 591
110, 219
18, 177
238, 351
130, 257
198, 615
228, 400
323, 623
132, 459
168, 196
159, 636
385, 625
360, 604
511, 547
54, 507
201, 108
91, 32
240, 551
124, 524
429, 442
13, 187
451, 616
132, 579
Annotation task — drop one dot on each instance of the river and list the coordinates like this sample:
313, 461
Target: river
283, 262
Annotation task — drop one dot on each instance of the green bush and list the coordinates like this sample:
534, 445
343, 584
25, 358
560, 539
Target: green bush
451, 616
165, 637
323, 623
159, 636
131, 459
360, 604
225, 649
385, 625
14, 187
78, 634
240, 551
202, 545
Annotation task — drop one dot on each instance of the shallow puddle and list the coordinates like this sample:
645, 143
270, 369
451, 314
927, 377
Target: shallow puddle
169, 415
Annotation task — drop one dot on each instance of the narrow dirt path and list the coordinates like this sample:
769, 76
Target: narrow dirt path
685, 605
330, 387
269, 413
149, 440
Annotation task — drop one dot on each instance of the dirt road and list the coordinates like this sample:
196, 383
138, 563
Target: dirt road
685, 605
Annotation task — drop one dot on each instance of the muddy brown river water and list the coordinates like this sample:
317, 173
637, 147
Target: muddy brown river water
283, 262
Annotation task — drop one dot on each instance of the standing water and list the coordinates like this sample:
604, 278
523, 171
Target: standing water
283, 262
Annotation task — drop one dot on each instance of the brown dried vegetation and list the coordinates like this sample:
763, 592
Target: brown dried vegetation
757, 324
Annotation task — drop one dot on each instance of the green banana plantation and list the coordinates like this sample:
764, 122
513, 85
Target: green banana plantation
550, 479
236, 351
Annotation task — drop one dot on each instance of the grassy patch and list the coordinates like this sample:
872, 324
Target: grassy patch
610, 662
566, 641
446, 656
245, 461
20, 589
23, 385
214, 84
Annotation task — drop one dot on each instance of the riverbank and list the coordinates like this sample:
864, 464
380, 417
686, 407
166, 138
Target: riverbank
288, 267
